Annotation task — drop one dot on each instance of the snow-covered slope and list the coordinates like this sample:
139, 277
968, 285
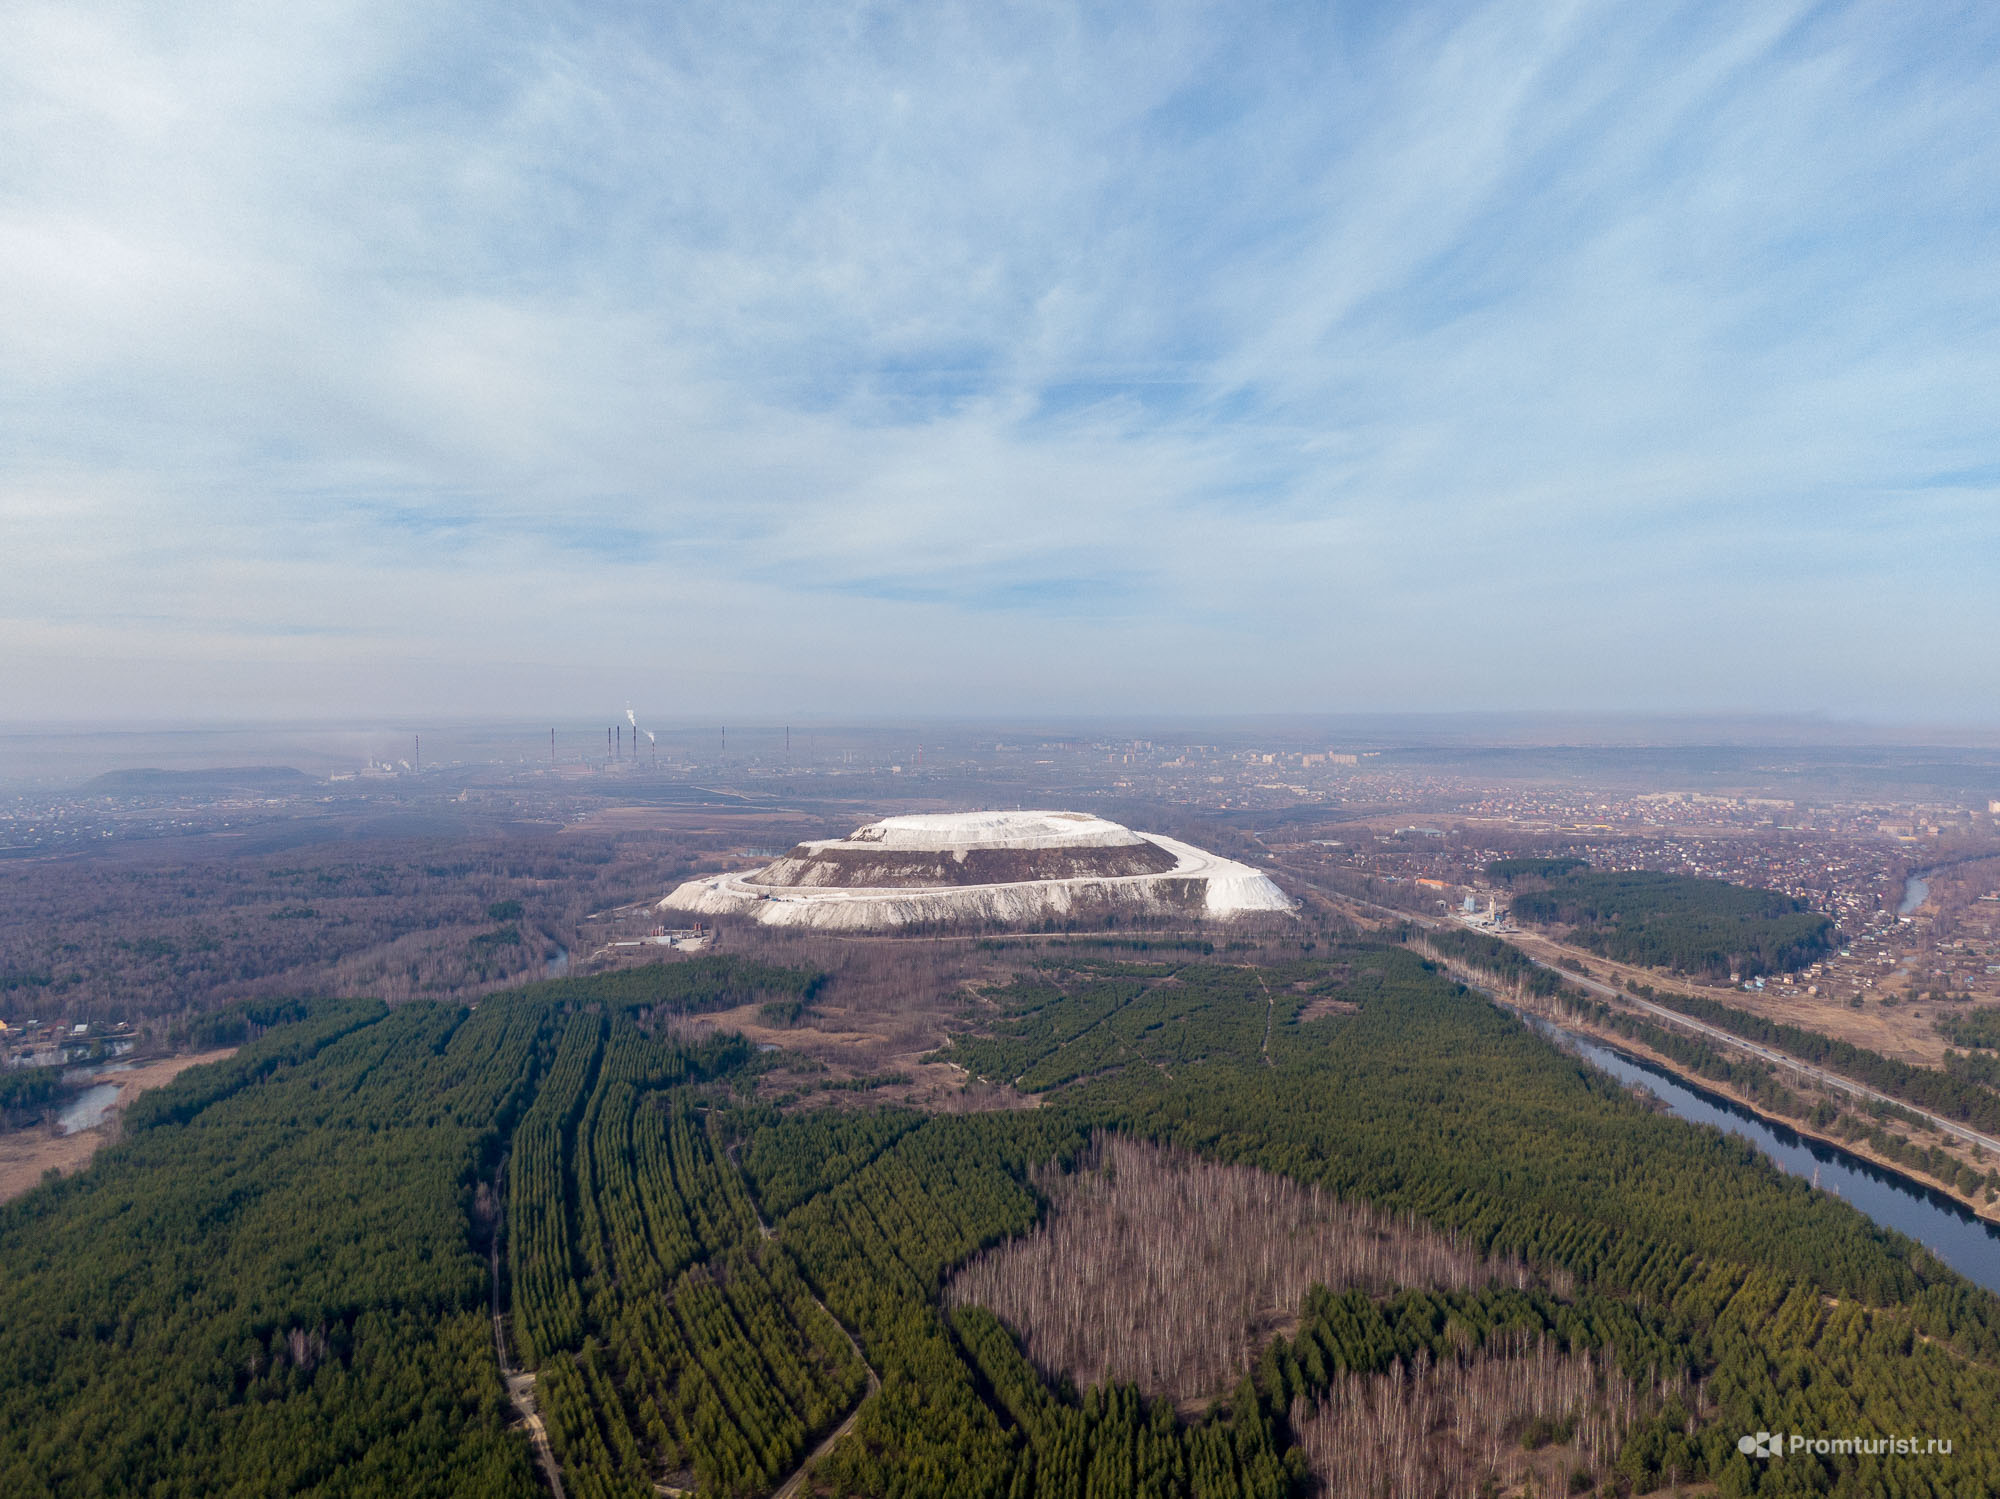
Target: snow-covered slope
902, 871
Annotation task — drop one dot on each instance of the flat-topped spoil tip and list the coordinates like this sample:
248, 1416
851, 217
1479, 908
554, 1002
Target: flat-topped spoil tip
996, 866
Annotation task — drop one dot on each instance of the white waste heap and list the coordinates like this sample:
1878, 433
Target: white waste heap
938, 867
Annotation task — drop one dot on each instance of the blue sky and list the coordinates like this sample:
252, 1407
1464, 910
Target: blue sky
775, 360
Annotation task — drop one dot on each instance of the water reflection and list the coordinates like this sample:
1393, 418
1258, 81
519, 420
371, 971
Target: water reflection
1968, 1244
88, 1108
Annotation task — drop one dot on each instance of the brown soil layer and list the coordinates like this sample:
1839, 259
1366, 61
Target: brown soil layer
900, 869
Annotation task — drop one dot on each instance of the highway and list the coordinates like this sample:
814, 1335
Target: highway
1702, 1028
1768, 1054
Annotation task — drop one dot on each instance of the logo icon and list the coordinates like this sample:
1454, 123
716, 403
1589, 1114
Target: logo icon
1763, 1444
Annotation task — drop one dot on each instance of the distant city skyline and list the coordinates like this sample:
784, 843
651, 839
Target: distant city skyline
409, 363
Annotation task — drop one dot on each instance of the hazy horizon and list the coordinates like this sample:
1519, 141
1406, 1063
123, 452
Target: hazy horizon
53, 755
362, 361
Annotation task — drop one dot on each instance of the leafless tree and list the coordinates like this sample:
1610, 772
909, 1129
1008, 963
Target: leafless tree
1514, 1413
1159, 1268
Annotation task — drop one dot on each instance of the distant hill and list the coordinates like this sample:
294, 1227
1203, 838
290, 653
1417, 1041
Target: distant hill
272, 780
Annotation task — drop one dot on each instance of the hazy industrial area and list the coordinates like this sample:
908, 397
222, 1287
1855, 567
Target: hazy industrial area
1110, 751
329, 864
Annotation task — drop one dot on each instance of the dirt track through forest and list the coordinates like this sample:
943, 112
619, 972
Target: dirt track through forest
795, 1484
521, 1384
1270, 1009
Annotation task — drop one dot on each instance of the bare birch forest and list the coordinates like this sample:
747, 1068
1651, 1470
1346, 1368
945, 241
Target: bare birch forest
1513, 1414
1158, 1268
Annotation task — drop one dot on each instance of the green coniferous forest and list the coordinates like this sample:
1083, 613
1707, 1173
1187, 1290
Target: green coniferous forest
1979, 1027
1707, 927
278, 1281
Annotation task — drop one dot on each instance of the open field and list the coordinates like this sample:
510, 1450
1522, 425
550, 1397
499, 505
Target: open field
1901, 1031
26, 1154
871, 1064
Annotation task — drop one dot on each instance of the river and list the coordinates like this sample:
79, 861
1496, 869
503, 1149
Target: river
1968, 1244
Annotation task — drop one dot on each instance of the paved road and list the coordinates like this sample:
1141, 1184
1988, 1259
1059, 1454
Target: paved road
1711, 1032
1770, 1054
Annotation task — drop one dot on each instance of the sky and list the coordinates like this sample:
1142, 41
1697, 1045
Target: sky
787, 360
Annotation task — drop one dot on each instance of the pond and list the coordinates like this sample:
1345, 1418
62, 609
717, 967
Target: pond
88, 1108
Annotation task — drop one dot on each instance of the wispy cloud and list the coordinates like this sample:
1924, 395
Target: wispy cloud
981, 357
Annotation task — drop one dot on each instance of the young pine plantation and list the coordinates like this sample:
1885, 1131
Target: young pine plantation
1327, 1226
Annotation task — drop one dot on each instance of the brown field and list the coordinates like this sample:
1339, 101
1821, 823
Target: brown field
841, 1046
1901, 1031
1323, 1006
26, 1154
